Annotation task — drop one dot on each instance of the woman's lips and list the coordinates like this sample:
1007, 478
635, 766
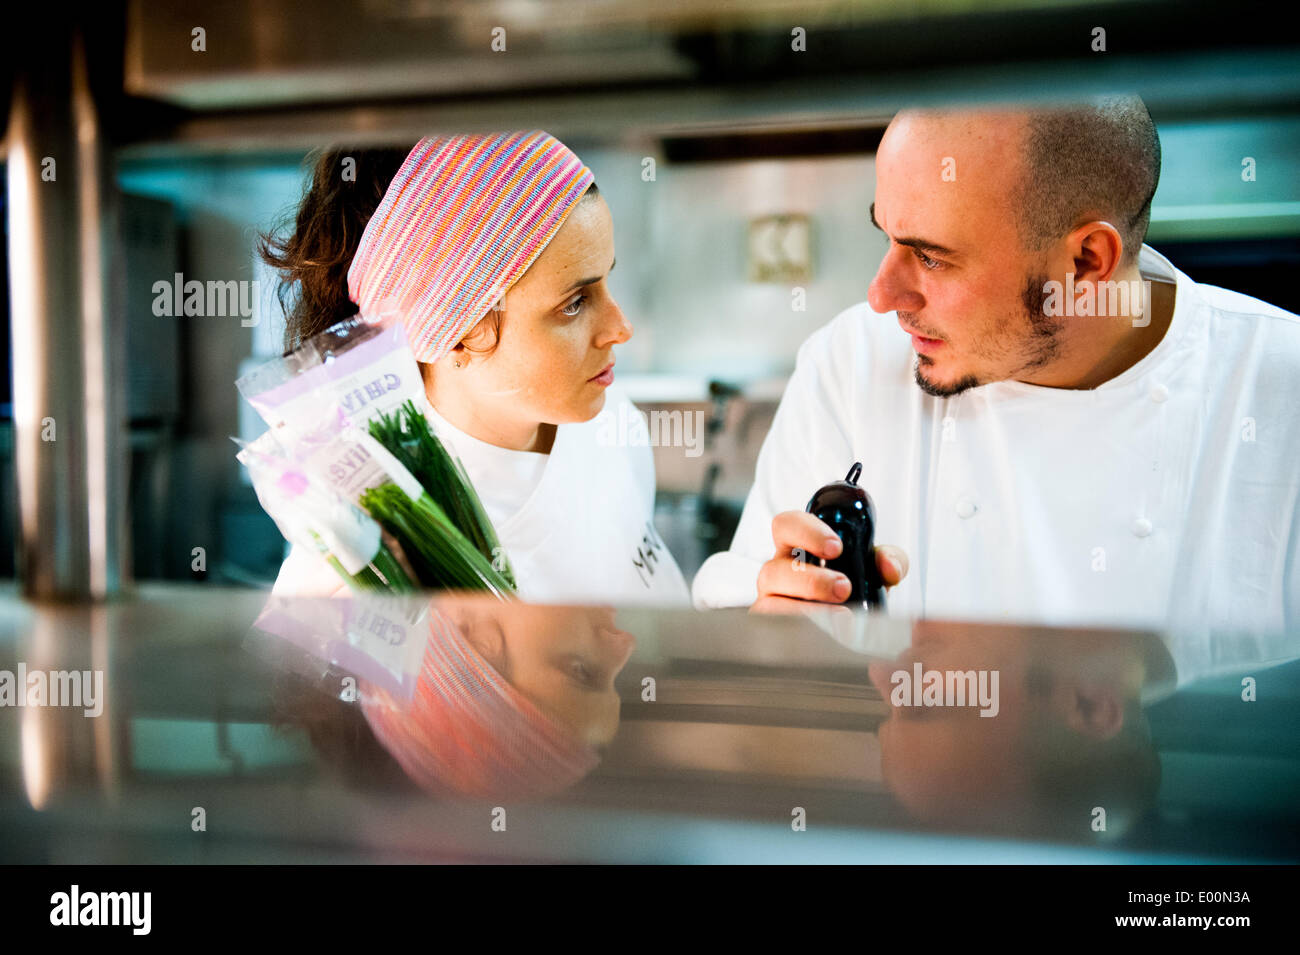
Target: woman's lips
606, 377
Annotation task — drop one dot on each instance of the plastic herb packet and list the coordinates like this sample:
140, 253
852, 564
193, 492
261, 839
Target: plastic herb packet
364, 365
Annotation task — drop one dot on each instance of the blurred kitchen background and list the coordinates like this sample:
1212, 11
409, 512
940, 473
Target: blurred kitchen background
733, 142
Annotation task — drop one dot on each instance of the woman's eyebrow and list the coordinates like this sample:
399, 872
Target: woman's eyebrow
923, 244
592, 281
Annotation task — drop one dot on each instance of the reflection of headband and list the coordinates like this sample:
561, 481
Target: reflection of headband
461, 222
468, 732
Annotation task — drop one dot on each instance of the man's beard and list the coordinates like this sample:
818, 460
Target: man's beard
937, 390
1043, 343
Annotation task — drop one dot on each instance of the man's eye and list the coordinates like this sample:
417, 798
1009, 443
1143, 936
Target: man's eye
926, 261
574, 307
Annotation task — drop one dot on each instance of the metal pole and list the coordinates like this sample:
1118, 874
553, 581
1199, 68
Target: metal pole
69, 432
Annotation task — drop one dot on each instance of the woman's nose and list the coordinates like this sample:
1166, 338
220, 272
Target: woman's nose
615, 329
615, 646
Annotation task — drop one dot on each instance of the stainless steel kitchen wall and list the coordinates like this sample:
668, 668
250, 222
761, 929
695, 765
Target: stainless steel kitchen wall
732, 106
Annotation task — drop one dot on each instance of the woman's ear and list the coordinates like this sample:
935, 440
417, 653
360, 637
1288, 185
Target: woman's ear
457, 356
481, 628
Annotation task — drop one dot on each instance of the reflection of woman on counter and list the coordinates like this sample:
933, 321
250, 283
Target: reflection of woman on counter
495, 251
511, 700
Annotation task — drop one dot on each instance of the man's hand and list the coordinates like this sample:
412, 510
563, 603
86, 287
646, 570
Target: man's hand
793, 575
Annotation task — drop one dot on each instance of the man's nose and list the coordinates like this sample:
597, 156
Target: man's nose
891, 290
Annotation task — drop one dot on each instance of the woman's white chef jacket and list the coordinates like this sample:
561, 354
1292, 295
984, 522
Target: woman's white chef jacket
1168, 495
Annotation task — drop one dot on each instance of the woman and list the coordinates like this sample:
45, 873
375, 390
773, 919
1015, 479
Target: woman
495, 251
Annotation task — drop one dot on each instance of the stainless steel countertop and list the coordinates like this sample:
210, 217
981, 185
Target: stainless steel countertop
756, 725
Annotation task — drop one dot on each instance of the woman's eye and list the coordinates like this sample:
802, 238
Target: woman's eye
574, 307
580, 672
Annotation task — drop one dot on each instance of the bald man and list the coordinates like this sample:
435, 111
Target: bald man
1055, 424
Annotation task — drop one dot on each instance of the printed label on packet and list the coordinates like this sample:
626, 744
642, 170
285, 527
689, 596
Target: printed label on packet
393, 469
347, 460
367, 379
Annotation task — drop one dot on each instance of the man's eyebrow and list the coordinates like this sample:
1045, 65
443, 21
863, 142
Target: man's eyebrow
914, 243
591, 281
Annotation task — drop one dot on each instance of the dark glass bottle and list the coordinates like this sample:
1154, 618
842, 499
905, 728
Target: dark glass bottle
847, 510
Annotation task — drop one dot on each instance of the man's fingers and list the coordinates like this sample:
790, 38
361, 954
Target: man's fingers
802, 542
802, 578
799, 530
892, 562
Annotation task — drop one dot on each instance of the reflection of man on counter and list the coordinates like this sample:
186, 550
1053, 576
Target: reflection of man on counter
1067, 429
1069, 735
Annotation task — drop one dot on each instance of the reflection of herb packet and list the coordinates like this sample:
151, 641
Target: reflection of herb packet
407, 436
380, 641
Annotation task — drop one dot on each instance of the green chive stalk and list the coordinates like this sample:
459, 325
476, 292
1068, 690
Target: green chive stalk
407, 436
383, 573
440, 554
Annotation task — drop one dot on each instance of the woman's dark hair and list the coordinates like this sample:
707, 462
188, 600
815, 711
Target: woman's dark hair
345, 189
338, 733
316, 255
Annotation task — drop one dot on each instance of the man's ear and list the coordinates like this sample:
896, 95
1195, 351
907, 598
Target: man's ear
1094, 710
1097, 248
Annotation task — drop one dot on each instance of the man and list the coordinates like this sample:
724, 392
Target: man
1054, 423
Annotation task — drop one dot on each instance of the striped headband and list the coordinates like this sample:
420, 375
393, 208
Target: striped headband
468, 732
464, 218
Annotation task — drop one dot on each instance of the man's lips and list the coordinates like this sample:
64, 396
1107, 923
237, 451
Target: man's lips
604, 376
921, 343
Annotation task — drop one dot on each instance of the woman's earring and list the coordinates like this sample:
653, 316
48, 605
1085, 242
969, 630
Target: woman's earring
456, 363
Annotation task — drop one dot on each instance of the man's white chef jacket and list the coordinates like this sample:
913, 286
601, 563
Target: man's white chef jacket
1168, 495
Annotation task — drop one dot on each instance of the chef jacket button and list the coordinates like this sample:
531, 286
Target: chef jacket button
965, 508
1159, 393
1141, 527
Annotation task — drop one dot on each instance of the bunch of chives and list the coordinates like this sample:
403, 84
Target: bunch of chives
383, 573
445, 533
442, 557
